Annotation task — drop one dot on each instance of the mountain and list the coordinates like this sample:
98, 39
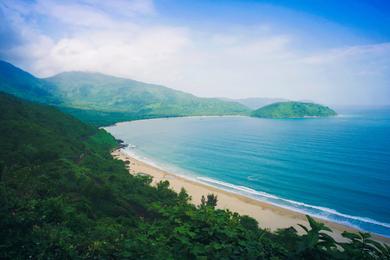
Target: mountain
24, 85
256, 102
293, 110
95, 91
101, 99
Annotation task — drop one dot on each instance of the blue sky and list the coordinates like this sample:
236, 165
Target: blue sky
332, 52
369, 18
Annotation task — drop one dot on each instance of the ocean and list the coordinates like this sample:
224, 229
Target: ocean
333, 168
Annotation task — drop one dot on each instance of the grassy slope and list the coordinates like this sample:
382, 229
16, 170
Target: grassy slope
96, 91
293, 110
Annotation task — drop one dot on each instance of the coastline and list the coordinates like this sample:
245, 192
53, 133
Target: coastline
268, 215
168, 117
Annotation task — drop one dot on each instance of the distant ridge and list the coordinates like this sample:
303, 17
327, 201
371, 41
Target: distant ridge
24, 85
85, 90
102, 99
256, 102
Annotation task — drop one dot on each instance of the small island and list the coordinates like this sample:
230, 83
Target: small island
293, 109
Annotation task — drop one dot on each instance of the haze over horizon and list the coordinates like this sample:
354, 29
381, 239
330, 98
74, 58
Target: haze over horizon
332, 53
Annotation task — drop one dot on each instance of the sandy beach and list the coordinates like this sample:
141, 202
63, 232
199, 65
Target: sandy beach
269, 216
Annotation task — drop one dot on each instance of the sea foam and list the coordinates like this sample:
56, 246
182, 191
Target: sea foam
335, 168
300, 207
317, 211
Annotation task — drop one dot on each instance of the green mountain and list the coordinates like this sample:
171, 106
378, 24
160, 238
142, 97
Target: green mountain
94, 91
24, 85
101, 99
293, 110
62, 196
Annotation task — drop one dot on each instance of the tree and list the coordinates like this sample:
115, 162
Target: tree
249, 223
315, 244
183, 196
211, 201
363, 246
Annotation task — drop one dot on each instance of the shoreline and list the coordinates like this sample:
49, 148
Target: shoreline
169, 117
208, 116
268, 215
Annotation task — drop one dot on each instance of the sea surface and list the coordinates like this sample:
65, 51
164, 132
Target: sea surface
333, 168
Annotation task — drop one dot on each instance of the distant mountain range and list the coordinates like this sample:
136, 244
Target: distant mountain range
255, 102
101, 99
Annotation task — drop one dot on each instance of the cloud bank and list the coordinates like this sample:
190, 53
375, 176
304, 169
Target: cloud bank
130, 39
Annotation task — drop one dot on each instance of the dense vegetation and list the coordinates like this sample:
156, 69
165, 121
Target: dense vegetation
293, 110
62, 195
104, 118
100, 99
22, 84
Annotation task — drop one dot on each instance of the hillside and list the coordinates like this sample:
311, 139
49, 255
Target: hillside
293, 110
24, 85
63, 196
95, 91
101, 99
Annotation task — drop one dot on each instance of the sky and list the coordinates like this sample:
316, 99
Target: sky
330, 52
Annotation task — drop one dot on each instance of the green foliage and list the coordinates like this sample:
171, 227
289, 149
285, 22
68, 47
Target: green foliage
63, 196
316, 243
293, 110
104, 118
211, 201
363, 246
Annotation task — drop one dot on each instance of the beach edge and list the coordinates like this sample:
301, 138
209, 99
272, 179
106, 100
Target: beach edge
269, 216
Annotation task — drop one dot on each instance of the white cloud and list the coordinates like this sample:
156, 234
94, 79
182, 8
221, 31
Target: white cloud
137, 54
125, 7
118, 47
245, 61
74, 14
381, 50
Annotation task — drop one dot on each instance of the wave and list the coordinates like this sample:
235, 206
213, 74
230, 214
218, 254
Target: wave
131, 152
253, 178
324, 213
317, 211
134, 152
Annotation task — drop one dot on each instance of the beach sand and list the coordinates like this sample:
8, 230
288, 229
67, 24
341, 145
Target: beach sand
269, 216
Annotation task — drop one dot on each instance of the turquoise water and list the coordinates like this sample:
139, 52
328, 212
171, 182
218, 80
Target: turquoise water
333, 168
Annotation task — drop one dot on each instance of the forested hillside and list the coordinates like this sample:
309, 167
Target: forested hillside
293, 109
63, 196
24, 85
102, 100
97, 91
